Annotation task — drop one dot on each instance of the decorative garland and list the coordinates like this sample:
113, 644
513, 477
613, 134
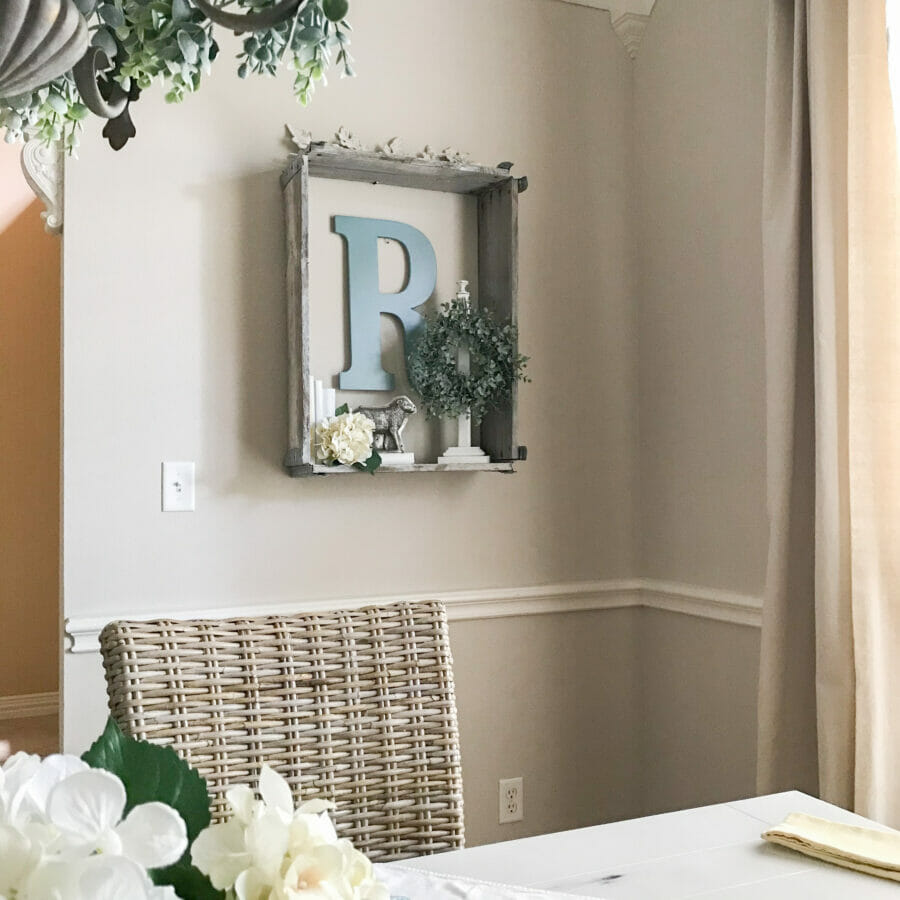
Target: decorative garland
135, 43
433, 364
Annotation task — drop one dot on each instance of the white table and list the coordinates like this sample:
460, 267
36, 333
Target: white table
714, 852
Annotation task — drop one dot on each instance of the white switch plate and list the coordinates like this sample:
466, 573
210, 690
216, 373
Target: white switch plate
512, 800
178, 487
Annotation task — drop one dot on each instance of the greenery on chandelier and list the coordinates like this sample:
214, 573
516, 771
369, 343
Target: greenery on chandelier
172, 43
433, 363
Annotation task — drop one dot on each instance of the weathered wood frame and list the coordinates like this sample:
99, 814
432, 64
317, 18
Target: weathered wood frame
497, 192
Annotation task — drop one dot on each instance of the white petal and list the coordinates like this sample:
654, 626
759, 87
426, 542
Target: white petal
219, 852
113, 878
244, 803
52, 771
54, 881
17, 858
275, 791
251, 885
267, 842
18, 772
153, 835
87, 804
167, 892
314, 807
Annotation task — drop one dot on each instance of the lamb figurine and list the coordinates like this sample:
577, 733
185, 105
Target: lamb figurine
389, 423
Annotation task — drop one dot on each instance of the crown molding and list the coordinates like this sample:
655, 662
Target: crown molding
82, 634
44, 167
628, 18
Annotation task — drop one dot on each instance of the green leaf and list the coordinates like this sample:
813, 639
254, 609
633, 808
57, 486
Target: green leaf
154, 773
188, 46
311, 35
181, 10
372, 463
104, 39
336, 10
342, 410
188, 881
58, 104
112, 15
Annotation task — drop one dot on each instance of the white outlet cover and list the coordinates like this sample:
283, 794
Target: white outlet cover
178, 487
511, 800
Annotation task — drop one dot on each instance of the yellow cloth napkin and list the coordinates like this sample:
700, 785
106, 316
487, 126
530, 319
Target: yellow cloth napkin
863, 849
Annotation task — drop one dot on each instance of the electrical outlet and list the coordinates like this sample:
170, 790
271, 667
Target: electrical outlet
512, 800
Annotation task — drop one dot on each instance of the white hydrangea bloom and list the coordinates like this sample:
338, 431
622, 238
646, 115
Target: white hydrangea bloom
268, 850
62, 836
346, 439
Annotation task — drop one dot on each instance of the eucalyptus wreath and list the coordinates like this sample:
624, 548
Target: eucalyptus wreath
172, 42
495, 364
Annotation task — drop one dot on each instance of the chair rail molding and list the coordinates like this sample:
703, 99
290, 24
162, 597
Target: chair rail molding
82, 634
28, 706
628, 18
44, 167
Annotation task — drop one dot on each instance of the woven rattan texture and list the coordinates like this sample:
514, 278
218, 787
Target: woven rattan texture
354, 706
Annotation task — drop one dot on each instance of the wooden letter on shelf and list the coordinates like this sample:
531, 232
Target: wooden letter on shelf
367, 302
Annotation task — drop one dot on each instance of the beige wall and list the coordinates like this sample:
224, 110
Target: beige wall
551, 698
698, 711
641, 222
699, 101
29, 440
175, 349
699, 85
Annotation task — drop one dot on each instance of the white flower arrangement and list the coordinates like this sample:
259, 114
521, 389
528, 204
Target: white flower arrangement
268, 850
346, 439
131, 821
63, 835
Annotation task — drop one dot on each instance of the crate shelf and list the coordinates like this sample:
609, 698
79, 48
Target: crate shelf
497, 194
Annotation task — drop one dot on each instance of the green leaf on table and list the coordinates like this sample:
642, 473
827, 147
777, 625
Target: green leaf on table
342, 410
152, 773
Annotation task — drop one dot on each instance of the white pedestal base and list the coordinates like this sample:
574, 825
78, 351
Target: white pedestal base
463, 456
395, 458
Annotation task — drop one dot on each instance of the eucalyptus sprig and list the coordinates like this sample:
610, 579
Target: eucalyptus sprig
496, 364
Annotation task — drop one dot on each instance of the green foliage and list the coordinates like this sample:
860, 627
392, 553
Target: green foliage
308, 43
51, 113
153, 773
371, 465
160, 39
495, 363
171, 42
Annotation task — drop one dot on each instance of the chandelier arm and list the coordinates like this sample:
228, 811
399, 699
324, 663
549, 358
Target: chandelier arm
255, 21
86, 73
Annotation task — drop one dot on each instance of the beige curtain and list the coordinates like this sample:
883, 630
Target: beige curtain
830, 668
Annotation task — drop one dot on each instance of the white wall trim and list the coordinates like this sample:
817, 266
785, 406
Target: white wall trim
27, 706
490, 603
705, 603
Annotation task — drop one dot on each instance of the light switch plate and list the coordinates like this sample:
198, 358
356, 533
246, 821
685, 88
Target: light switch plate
178, 487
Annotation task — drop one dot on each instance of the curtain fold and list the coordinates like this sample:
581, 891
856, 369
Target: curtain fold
787, 709
830, 666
